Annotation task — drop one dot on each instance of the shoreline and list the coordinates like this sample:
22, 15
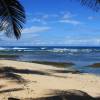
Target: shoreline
30, 80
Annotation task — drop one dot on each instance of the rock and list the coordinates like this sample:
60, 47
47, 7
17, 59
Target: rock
96, 65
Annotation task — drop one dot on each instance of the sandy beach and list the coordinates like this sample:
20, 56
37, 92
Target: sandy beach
28, 81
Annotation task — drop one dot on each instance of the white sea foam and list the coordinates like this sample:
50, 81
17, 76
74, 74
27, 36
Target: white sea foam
29, 50
18, 48
2, 48
63, 50
43, 48
70, 51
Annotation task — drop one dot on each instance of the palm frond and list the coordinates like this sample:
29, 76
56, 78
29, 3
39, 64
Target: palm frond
12, 17
93, 4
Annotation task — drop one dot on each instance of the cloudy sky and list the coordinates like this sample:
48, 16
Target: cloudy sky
57, 22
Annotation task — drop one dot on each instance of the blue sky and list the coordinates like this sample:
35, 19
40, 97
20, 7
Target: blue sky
57, 22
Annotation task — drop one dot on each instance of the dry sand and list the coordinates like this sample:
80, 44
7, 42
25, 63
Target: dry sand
29, 80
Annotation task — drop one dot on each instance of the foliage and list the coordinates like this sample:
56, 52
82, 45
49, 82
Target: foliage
12, 17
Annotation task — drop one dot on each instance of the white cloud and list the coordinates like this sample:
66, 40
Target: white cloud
91, 17
70, 21
38, 20
45, 16
63, 17
94, 17
81, 41
68, 17
36, 29
35, 20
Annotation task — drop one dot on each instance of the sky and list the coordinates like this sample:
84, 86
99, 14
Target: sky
57, 23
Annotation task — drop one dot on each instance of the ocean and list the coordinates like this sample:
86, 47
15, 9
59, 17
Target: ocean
80, 56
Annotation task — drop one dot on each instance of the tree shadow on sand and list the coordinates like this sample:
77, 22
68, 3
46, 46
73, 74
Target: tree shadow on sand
11, 90
4, 73
12, 73
63, 95
67, 95
21, 71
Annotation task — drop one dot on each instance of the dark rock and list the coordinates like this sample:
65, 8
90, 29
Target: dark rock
96, 65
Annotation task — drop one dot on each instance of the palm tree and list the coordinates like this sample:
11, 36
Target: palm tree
12, 17
93, 4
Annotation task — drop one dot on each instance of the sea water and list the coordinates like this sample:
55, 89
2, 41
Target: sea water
80, 56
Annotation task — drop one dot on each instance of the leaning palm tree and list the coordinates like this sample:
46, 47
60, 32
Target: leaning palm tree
12, 17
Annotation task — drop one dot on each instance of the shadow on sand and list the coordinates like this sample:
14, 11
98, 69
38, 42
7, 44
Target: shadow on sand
68, 95
11, 90
12, 73
64, 95
7, 74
